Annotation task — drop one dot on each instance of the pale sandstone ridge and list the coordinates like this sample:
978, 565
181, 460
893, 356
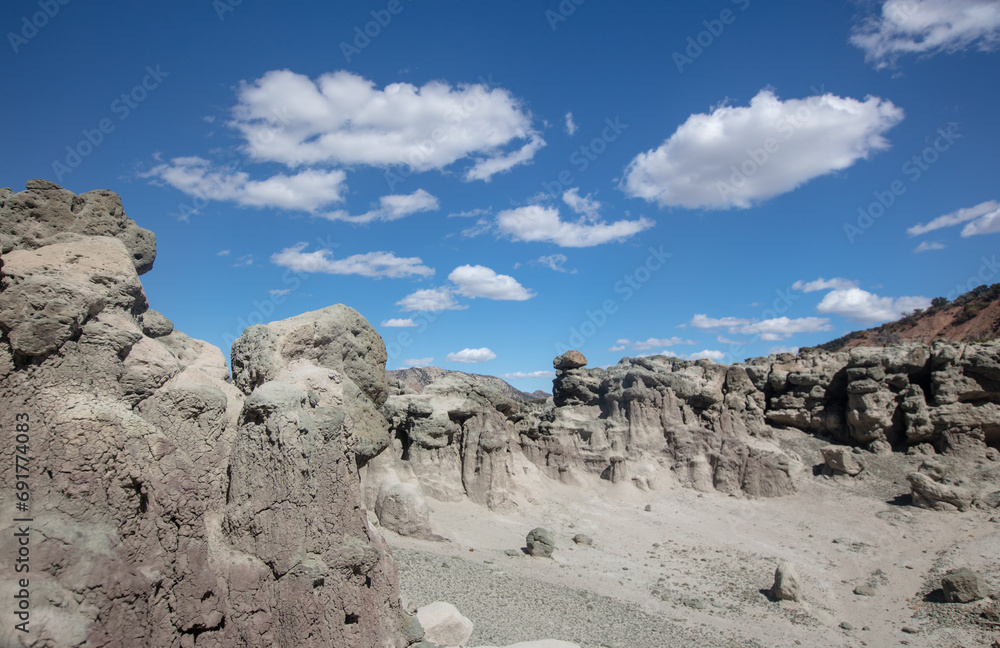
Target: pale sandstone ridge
168, 507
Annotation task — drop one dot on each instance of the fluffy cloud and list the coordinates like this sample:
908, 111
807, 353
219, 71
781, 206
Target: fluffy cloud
480, 281
305, 191
372, 264
471, 355
782, 328
705, 322
823, 284
342, 118
582, 205
739, 156
555, 262
399, 323
391, 208
710, 354
571, 126
928, 245
526, 375
928, 27
430, 300
988, 224
467, 281
863, 306
982, 216
537, 223
418, 362
647, 344
778, 328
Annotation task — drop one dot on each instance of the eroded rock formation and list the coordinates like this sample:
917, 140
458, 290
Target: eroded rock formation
168, 506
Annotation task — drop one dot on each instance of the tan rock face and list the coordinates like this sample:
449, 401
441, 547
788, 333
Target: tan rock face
168, 507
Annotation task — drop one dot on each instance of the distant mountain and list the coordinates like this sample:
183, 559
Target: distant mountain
972, 316
419, 377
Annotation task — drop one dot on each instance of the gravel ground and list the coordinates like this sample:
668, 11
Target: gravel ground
507, 608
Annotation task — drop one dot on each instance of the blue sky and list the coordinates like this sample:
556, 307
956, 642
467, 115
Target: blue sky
490, 184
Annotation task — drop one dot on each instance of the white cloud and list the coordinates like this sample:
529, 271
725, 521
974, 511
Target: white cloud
430, 300
928, 27
471, 355
555, 262
304, 191
985, 211
527, 375
571, 126
582, 205
486, 168
418, 362
740, 156
863, 306
988, 224
823, 284
279, 293
373, 264
391, 208
538, 223
929, 245
469, 213
782, 349
778, 328
480, 281
710, 354
399, 323
647, 344
342, 118
222, 253
482, 226
706, 322
781, 328
245, 260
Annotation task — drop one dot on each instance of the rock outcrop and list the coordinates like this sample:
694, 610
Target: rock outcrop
168, 507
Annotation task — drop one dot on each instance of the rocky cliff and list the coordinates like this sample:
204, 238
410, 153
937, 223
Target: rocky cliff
167, 506
657, 420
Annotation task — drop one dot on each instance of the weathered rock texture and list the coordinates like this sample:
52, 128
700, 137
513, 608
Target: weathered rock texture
169, 508
708, 425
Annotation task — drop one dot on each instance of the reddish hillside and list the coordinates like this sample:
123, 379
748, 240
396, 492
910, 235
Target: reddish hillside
972, 316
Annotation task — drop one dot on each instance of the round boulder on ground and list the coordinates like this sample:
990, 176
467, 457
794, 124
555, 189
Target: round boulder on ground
444, 625
786, 583
540, 542
962, 586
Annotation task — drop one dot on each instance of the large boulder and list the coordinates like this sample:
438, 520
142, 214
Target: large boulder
963, 586
540, 542
444, 624
787, 586
402, 508
332, 351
